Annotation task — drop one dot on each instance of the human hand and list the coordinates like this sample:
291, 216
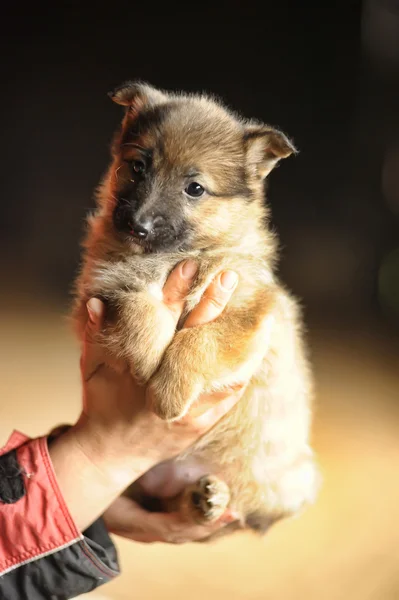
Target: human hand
128, 519
125, 517
128, 418
117, 436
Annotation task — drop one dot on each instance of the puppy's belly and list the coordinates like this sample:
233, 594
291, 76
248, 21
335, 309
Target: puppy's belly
171, 477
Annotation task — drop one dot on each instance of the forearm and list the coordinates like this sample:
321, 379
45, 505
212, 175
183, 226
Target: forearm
92, 468
39, 540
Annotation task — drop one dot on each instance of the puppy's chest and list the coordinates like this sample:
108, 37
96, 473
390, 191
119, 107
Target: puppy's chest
139, 274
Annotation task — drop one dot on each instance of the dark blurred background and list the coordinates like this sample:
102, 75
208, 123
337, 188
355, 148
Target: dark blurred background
327, 74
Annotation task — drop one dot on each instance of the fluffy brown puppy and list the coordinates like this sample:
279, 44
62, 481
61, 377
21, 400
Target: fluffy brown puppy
187, 182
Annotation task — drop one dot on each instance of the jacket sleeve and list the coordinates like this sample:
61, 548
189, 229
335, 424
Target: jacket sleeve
42, 553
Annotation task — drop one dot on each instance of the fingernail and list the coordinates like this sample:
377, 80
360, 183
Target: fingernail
94, 308
228, 280
189, 269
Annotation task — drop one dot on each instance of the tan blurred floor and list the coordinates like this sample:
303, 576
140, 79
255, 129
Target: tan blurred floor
345, 547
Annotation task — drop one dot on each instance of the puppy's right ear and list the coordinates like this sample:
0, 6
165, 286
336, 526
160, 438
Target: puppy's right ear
136, 96
265, 147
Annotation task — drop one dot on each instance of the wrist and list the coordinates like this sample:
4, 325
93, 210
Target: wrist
118, 456
92, 470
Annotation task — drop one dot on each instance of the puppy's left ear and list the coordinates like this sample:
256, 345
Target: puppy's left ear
265, 147
137, 96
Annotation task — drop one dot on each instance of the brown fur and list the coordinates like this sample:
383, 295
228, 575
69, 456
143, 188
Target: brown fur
261, 448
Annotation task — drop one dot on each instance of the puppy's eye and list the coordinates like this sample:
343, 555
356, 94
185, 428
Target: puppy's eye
138, 167
195, 190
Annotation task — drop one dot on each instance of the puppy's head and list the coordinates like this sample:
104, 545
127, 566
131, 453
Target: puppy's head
187, 173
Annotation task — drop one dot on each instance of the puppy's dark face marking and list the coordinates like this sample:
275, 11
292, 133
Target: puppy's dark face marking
183, 177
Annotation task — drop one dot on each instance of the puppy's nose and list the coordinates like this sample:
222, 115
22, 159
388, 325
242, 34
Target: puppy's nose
141, 228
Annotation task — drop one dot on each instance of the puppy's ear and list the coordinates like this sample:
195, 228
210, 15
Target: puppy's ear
136, 96
265, 147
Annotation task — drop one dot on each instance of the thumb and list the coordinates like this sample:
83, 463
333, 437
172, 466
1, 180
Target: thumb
214, 300
92, 353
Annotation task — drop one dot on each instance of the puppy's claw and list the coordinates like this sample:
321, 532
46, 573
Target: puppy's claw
206, 500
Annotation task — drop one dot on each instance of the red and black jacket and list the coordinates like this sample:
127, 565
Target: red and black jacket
43, 555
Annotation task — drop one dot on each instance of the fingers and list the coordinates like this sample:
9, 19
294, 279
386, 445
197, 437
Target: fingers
211, 304
175, 292
178, 286
214, 300
92, 355
220, 404
171, 528
208, 403
177, 530
212, 416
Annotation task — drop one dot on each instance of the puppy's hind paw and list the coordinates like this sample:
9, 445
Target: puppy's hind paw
207, 499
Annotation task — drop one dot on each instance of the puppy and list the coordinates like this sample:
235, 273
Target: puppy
187, 181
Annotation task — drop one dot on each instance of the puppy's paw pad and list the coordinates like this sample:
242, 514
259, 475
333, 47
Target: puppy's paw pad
210, 497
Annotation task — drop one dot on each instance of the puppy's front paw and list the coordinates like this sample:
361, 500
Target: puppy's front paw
173, 393
206, 500
138, 330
